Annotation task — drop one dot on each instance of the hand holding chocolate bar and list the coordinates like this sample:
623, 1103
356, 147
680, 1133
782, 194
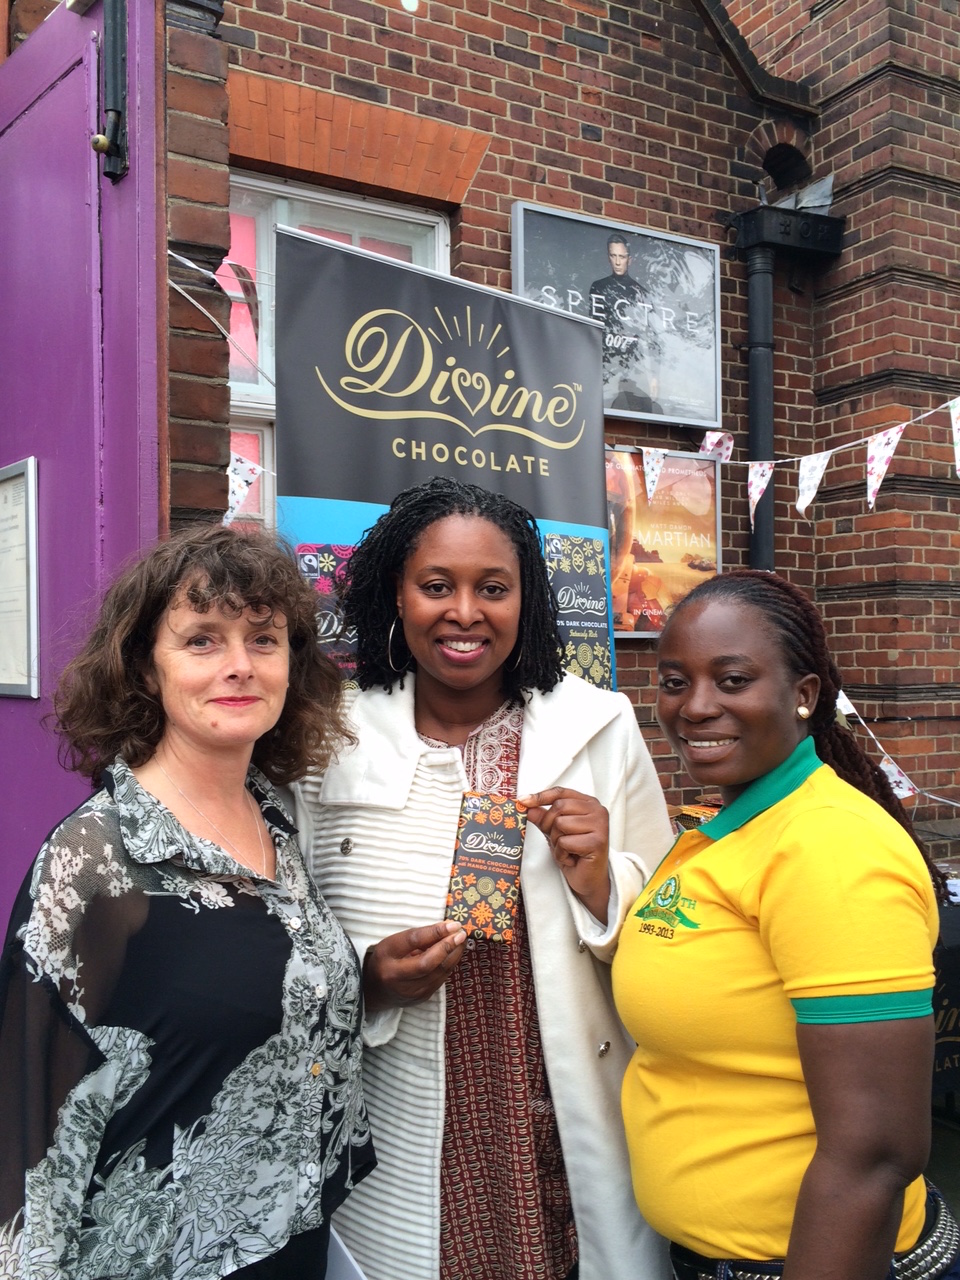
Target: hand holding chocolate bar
410, 966
577, 827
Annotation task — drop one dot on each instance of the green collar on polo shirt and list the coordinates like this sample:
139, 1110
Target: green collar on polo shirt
765, 792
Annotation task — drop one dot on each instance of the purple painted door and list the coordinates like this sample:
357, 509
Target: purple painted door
78, 380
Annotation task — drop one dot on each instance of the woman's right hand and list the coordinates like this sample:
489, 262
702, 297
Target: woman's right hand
408, 967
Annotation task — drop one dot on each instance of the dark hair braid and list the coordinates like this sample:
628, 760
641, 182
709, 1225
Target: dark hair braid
804, 644
368, 590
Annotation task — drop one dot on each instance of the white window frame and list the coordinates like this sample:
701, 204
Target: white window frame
259, 399
253, 405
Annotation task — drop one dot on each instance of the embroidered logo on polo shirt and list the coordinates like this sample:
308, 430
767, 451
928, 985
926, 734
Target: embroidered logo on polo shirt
667, 910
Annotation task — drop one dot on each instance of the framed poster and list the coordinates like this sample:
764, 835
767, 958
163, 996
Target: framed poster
660, 549
657, 296
18, 580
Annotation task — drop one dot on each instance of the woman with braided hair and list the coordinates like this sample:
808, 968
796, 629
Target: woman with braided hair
493, 1065
777, 972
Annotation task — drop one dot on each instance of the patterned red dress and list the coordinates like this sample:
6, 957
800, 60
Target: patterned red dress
505, 1209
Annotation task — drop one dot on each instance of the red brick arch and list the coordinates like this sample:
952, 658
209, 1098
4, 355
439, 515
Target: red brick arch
782, 150
296, 128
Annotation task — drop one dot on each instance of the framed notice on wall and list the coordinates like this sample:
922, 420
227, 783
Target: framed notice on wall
664, 546
657, 296
18, 580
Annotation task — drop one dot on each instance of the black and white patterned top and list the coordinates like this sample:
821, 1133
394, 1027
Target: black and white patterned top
179, 1051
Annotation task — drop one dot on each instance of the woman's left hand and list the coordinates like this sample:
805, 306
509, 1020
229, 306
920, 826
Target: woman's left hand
578, 829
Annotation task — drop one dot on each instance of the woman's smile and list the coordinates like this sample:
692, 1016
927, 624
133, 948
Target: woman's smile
700, 746
459, 650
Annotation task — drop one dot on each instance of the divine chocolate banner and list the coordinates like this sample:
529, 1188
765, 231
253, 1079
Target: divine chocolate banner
389, 374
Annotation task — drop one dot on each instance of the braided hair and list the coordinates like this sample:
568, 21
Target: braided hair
803, 643
368, 590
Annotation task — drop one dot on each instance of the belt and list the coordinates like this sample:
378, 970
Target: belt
936, 1248
930, 1257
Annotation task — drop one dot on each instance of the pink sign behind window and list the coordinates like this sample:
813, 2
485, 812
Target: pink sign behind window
244, 326
341, 237
389, 249
402, 252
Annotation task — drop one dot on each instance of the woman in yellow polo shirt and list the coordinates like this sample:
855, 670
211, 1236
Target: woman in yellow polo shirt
776, 973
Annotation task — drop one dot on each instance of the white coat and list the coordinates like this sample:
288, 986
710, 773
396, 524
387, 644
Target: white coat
378, 835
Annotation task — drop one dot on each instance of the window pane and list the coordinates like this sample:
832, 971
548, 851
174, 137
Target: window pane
242, 332
341, 237
389, 248
243, 250
238, 276
258, 205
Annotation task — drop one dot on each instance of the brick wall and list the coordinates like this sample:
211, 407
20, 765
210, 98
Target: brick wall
198, 230
633, 113
658, 116
885, 338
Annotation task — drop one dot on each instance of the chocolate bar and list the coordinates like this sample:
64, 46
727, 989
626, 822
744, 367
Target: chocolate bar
485, 878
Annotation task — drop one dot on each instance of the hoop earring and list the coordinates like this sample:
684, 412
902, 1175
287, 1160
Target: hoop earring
517, 660
397, 670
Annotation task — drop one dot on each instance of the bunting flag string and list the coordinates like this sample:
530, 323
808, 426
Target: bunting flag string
903, 787
213, 319
880, 446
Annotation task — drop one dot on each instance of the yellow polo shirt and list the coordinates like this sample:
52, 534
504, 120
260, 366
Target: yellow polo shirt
803, 901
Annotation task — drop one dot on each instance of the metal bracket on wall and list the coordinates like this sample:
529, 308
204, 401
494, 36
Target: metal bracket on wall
112, 142
796, 230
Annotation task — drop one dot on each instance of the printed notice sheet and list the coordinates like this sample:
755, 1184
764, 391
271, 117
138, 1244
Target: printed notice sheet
17, 602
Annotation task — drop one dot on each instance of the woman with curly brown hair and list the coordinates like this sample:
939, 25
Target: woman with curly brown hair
179, 1009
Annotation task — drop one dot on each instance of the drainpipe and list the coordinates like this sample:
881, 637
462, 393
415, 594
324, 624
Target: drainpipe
760, 233
760, 261
112, 142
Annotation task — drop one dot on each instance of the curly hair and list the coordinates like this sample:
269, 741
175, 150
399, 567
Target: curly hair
103, 705
803, 644
368, 591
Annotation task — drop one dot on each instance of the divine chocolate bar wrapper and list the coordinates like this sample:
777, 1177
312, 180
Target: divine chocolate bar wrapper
485, 879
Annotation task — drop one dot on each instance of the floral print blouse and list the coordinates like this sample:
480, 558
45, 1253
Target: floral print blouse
179, 1051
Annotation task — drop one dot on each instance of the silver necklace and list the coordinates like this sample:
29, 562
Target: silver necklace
210, 823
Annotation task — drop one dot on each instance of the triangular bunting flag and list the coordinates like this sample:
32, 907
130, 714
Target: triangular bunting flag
954, 407
880, 449
652, 466
240, 476
718, 444
758, 477
902, 786
845, 706
812, 468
